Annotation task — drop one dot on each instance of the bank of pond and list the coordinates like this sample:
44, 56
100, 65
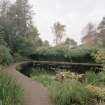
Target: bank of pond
70, 88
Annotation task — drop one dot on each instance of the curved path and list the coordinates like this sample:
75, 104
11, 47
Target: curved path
34, 93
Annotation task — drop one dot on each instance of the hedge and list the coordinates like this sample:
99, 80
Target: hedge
79, 54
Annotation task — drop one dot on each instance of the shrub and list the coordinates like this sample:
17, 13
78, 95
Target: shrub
10, 92
5, 56
18, 57
64, 54
90, 78
43, 77
95, 79
70, 93
60, 76
23, 46
100, 57
99, 92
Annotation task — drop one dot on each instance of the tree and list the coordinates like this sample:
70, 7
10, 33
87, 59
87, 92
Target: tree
23, 46
33, 34
16, 21
4, 20
4, 7
22, 23
2, 37
70, 43
90, 35
23, 17
101, 29
59, 31
101, 26
46, 43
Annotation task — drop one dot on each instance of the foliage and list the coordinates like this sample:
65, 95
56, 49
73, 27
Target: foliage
46, 43
2, 35
94, 36
90, 78
101, 29
42, 76
10, 91
98, 91
16, 27
100, 57
70, 43
70, 93
89, 38
23, 46
58, 30
69, 76
5, 56
62, 53
95, 79
18, 57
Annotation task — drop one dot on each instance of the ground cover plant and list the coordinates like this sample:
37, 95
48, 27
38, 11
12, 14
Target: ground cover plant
10, 92
72, 91
43, 76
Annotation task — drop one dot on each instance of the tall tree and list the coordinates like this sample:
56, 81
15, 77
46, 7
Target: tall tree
17, 26
70, 42
46, 43
59, 31
20, 12
23, 21
89, 38
101, 29
4, 7
101, 26
2, 35
4, 20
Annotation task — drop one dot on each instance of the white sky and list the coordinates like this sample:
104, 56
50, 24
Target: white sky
75, 14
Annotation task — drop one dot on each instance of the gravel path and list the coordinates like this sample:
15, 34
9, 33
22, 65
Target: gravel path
34, 93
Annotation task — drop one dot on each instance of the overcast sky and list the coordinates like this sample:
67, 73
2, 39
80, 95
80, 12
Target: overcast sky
75, 14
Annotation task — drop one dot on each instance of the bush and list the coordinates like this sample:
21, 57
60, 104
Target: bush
23, 46
43, 77
95, 79
98, 91
100, 57
10, 92
64, 54
5, 56
18, 57
90, 78
70, 93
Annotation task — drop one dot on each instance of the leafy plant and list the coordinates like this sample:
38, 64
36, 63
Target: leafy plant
5, 56
43, 77
61, 53
100, 57
95, 79
10, 91
70, 93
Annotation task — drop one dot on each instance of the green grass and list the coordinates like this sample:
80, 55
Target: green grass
95, 79
10, 92
44, 77
70, 93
